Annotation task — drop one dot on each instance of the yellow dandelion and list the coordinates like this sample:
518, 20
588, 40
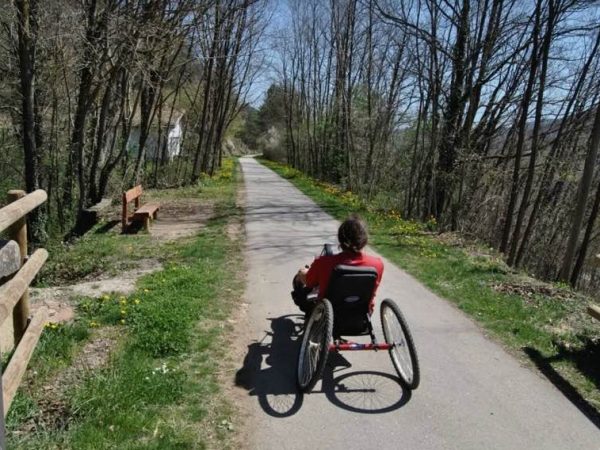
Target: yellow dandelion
146, 290
122, 321
123, 312
136, 301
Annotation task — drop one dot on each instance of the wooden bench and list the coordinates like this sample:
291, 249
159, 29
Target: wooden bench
144, 213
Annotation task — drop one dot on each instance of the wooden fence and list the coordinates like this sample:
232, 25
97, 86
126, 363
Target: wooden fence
17, 271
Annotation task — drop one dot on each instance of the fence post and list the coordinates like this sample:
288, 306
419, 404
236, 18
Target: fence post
18, 233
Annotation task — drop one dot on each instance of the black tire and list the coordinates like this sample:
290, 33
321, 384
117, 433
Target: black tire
403, 353
314, 348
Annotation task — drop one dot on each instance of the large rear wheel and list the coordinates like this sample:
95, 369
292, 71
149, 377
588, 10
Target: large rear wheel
403, 352
314, 348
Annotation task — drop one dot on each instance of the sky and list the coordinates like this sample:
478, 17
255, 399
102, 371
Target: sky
278, 19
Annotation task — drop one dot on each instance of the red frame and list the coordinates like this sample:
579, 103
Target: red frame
354, 346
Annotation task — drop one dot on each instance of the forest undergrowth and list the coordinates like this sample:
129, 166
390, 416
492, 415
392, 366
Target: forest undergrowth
545, 324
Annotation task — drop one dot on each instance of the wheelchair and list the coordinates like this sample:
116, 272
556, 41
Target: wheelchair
344, 311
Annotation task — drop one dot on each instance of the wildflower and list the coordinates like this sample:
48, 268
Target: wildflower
146, 290
123, 312
162, 369
93, 324
122, 321
105, 297
137, 301
123, 302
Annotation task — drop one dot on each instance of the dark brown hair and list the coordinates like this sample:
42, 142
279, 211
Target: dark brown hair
352, 234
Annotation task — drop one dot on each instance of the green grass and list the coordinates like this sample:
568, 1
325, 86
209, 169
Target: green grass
160, 388
102, 252
546, 323
106, 251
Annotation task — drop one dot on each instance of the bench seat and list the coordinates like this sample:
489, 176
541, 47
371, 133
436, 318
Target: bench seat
149, 209
146, 213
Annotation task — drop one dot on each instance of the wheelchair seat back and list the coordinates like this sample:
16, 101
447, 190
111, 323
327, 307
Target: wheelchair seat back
350, 291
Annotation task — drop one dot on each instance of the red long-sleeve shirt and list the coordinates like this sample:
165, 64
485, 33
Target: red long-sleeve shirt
321, 269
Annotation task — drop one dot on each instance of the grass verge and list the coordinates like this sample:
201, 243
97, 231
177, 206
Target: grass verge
543, 322
159, 389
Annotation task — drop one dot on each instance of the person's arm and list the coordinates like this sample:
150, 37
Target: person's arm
301, 275
379, 268
312, 275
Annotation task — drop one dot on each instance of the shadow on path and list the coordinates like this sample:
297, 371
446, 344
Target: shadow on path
366, 391
586, 359
274, 385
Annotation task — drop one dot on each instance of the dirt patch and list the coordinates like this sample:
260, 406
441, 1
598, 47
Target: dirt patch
60, 300
237, 342
529, 290
234, 230
534, 294
181, 218
53, 411
177, 218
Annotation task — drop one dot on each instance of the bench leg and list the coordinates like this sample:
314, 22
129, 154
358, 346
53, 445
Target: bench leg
147, 222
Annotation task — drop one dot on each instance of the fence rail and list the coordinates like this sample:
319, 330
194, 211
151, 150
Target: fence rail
18, 271
18, 209
594, 311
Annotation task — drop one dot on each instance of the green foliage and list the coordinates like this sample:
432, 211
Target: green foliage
22, 409
169, 349
258, 121
101, 251
160, 334
57, 346
107, 397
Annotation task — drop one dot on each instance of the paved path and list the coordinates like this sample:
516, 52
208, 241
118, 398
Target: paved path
473, 395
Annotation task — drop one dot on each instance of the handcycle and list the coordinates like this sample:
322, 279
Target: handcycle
344, 311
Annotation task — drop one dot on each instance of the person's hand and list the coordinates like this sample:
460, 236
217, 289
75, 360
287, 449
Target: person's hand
301, 275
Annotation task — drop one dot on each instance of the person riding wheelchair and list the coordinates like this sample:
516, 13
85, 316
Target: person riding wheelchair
347, 283
352, 237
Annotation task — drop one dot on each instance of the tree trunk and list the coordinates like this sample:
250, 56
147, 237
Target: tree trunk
26, 51
582, 196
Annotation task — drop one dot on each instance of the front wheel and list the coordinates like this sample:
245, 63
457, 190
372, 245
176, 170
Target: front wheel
314, 348
403, 352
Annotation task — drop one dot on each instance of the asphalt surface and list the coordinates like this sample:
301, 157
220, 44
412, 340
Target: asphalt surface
473, 394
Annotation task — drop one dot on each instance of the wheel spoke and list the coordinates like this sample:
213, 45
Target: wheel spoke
400, 351
313, 351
